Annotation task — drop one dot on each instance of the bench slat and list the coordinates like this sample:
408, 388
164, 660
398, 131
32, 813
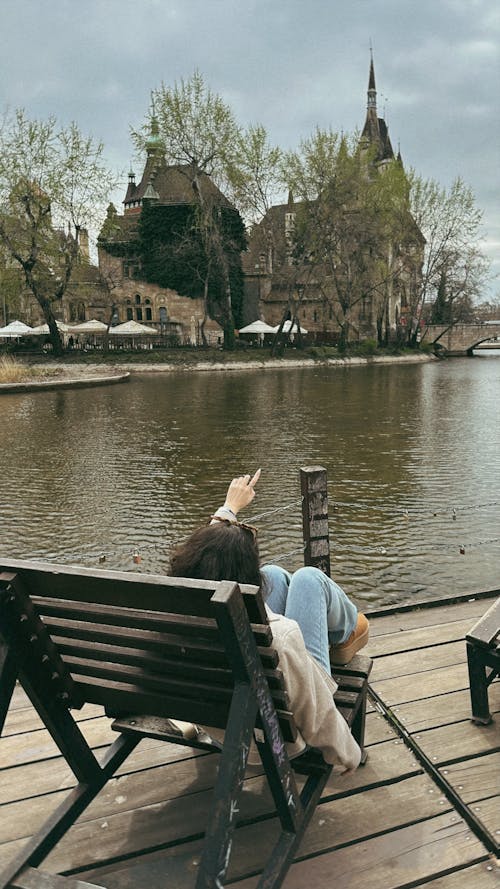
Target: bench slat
126, 589
120, 697
180, 646
161, 683
201, 627
118, 654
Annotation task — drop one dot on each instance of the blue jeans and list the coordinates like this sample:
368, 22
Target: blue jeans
322, 610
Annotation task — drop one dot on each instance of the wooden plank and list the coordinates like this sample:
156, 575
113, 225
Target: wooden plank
427, 617
450, 743
128, 792
480, 876
441, 710
409, 663
344, 819
377, 729
34, 779
431, 683
400, 858
167, 819
475, 779
421, 637
32, 878
488, 812
26, 719
392, 859
39, 745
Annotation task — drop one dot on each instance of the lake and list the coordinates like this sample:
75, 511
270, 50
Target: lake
411, 451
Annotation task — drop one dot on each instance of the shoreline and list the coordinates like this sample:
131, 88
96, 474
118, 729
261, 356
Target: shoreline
75, 375
79, 382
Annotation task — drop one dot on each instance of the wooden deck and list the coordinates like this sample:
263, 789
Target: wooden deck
424, 810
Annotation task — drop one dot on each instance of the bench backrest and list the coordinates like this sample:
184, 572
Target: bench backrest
134, 643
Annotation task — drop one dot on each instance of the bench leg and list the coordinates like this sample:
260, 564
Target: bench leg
358, 724
8, 676
281, 857
478, 684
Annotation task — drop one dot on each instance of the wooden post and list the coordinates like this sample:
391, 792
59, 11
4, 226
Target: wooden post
315, 517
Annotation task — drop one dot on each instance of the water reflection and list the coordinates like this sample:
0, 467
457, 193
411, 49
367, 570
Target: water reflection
410, 451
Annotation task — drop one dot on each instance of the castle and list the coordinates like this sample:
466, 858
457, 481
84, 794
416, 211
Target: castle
121, 288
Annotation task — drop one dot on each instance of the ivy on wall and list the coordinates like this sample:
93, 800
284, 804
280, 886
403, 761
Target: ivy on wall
173, 253
169, 247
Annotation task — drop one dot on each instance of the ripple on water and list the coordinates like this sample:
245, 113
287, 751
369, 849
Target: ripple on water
135, 468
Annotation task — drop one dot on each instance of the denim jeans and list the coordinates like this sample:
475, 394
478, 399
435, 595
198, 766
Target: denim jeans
322, 610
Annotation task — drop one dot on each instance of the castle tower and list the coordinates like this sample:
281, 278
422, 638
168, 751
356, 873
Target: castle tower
375, 133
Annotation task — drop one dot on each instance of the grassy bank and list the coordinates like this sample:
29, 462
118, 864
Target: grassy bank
194, 356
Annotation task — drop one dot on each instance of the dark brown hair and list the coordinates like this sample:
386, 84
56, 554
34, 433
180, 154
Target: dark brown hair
218, 552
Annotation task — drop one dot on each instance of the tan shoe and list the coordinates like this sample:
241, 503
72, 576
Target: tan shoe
342, 654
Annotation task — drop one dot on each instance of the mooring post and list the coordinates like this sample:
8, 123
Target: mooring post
315, 517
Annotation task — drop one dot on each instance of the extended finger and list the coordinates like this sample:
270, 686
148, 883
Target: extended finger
255, 479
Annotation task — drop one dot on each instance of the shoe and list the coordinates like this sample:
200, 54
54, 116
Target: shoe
342, 654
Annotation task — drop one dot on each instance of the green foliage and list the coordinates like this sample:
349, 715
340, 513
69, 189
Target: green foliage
367, 347
172, 253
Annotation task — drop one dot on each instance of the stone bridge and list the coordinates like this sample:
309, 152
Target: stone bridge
461, 339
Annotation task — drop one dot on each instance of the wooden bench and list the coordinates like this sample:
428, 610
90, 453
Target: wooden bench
149, 649
483, 658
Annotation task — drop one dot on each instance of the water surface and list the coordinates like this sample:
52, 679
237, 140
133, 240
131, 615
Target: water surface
411, 452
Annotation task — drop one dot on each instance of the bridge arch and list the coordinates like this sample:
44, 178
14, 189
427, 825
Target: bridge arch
461, 339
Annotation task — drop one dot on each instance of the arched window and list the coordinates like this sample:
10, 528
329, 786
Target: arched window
137, 299
130, 315
163, 315
149, 314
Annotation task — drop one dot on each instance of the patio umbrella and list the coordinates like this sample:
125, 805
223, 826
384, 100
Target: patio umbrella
15, 329
131, 328
44, 328
257, 327
92, 326
287, 328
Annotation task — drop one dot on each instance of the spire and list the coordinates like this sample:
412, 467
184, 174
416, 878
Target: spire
372, 90
131, 185
154, 143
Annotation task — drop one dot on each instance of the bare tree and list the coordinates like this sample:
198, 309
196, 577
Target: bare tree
53, 183
455, 269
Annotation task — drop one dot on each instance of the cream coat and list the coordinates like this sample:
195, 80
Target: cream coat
311, 691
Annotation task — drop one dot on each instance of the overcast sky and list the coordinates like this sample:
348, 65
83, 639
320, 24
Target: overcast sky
287, 64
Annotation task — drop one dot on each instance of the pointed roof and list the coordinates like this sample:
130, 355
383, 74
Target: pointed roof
375, 130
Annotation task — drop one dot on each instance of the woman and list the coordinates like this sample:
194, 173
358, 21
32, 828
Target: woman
313, 621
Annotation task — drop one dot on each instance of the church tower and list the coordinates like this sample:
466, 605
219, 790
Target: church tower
375, 134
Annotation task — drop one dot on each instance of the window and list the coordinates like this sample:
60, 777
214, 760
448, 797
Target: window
148, 302
315, 315
130, 315
163, 315
138, 314
149, 314
137, 299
